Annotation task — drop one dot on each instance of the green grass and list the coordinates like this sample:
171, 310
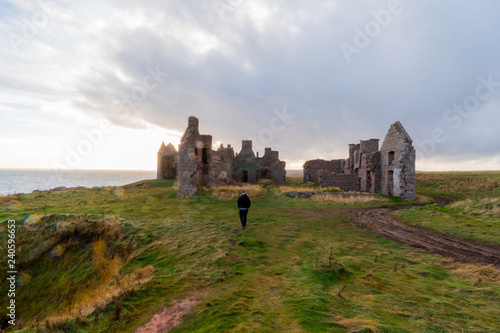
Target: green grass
299, 267
457, 222
475, 215
454, 186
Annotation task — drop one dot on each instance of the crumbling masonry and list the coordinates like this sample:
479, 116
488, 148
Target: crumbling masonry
388, 171
167, 162
198, 164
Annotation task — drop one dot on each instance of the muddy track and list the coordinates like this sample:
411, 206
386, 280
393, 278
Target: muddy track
380, 221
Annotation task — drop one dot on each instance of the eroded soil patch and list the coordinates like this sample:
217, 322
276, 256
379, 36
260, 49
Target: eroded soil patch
167, 318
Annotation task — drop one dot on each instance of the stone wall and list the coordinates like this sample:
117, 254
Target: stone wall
369, 172
170, 163
368, 146
270, 167
312, 167
279, 173
221, 167
346, 182
168, 160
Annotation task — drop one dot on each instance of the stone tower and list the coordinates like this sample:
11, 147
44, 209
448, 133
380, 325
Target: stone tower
397, 156
188, 173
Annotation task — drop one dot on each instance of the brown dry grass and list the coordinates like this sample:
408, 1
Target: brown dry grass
89, 301
474, 272
233, 191
9, 198
106, 267
458, 182
284, 189
484, 206
425, 200
479, 172
346, 200
357, 325
480, 273
108, 260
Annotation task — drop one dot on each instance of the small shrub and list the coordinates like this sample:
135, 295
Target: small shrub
118, 310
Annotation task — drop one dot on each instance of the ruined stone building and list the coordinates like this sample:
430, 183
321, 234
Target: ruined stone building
388, 171
196, 163
168, 158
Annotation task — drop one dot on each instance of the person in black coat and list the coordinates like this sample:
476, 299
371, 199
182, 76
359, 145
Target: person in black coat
243, 205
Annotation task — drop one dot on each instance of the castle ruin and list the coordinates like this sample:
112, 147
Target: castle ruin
388, 171
197, 164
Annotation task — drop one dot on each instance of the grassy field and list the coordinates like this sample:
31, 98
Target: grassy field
106, 259
453, 186
474, 210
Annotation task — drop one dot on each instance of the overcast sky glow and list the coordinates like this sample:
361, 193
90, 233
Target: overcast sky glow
100, 84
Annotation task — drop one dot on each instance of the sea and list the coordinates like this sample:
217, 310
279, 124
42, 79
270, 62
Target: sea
26, 181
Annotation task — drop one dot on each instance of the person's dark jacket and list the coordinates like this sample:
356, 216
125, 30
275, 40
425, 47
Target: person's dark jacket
244, 202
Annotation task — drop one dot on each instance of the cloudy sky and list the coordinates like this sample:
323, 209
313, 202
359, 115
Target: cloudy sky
100, 84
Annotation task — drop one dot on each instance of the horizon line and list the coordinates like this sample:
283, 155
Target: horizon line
153, 170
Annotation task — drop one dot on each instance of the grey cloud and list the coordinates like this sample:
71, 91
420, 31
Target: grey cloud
424, 61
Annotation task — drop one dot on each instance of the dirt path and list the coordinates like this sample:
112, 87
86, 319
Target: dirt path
380, 221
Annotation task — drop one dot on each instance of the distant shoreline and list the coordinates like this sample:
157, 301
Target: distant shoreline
22, 181
19, 181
